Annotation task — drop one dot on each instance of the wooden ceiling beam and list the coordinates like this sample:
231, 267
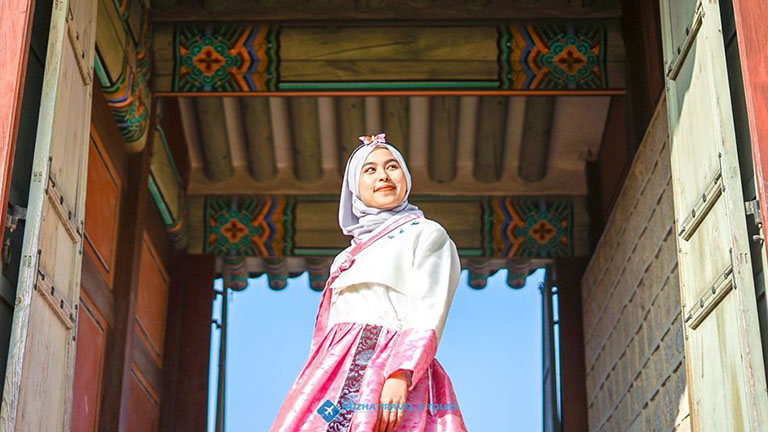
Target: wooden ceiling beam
258, 131
306, 146
283, 139
467, 136
396, 121
491, 131
191, 134
443, 138
372, 115
233, 115
214, 141
534, 151
335, 10
513, 138
329, 136
418, 150
351, 126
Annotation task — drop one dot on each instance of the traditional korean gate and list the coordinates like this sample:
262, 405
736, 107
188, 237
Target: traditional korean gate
38, 385
722, 337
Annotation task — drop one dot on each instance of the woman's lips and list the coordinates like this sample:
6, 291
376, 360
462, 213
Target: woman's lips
385, 188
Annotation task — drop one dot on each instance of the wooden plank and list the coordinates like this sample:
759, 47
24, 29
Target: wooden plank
728, 390
95, 286
568, 274
378, 44
141, 400
102, 207
213, 139
259, 138
162, 50
387, 70
443, 140
396, 120
145, 361
306, 145
416, 10
534, 152
111, 39
91, 344
152, 299
196, 273
750, 17
120, 346
351, 126
491, 133
42, 350
166, 177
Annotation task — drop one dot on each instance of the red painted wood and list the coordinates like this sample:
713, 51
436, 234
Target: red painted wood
15, 31
91, 340
185, 395
142, 404
751, 17
102, 206
573, 376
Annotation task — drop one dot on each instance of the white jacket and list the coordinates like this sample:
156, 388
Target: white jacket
406, 279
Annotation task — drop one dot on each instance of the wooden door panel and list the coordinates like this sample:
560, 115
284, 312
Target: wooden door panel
44, 378
37, 393
59, 250
89, 368
142, 404
724, 363
152, 301
102, 206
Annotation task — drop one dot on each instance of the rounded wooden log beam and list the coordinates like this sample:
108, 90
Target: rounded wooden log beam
214, 142
534, 151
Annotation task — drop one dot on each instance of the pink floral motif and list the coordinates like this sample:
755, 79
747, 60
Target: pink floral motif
374, 140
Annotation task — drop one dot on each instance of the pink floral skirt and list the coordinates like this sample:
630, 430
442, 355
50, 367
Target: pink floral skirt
339, 387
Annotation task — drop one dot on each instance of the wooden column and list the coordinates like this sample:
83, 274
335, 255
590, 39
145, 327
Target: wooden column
750, 17
120, 341
16, 25
184, 406
568, 273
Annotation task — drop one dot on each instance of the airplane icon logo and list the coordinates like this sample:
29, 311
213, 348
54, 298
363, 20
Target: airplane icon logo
328, 411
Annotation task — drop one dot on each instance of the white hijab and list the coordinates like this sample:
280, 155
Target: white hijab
356, 218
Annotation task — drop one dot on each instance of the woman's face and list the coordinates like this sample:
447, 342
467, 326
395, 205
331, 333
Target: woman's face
382, 181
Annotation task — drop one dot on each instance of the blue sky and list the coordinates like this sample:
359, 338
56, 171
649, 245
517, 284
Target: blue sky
491, 349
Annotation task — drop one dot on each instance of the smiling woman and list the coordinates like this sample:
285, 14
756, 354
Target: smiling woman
372, 364
382, 182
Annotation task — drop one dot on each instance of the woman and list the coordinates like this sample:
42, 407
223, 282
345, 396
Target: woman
371, 365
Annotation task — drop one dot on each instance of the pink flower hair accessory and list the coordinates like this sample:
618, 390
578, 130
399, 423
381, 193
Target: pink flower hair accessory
374, 140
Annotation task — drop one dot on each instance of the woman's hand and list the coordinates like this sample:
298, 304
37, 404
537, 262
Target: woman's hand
394, 392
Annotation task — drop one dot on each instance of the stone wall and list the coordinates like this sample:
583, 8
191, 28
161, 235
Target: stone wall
633, 333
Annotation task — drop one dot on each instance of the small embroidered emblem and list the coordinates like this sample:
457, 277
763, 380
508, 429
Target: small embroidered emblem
391, 236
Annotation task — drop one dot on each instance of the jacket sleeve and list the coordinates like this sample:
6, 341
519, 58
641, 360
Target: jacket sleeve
430, 288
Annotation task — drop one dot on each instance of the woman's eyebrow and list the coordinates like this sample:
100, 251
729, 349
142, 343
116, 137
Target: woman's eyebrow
374, 163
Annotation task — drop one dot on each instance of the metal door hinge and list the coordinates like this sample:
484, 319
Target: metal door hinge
12, 217
754, 221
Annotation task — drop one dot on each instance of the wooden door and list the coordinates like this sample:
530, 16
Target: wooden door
722, 340
37, 393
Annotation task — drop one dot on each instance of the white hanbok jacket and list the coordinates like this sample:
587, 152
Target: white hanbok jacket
405, 280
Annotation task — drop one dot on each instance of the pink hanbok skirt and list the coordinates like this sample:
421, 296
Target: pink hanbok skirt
339, 387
